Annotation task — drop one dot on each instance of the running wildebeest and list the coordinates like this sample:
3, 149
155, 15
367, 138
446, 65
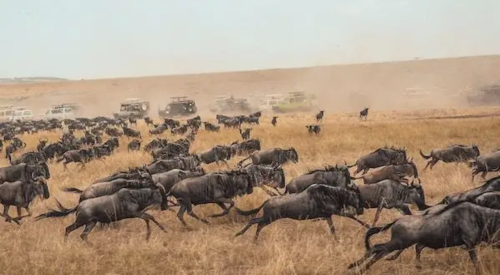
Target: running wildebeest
158, 129
113, 132
124, 204
155, 144
170, 178
486, 163
276, 156
452, 153
211, 127
392, 172
380, 157
266, 175
29, 158
450, 227
392, 194
314, 129
219, 188
81, 156
245, 147
134, 145
337, 176
54, 150
256, 114
364, 113
20, 194
113, 143
274, 121
216, 154
317, 201
148, 121
164, 165
129, 132
245, 135
489, 186
319, 116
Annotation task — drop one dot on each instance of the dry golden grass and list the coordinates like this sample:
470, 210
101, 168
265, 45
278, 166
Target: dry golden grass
286, 246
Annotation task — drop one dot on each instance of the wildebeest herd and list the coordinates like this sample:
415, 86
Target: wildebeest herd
175, 178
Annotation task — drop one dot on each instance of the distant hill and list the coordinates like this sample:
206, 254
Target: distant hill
20, 80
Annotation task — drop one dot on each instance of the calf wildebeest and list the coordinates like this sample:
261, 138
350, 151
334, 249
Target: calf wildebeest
274, 121
338, 176
452, 153
314, 129
245, 135
317, 201
487, 163
245, 147
24, 172
134, 145
81, 156
20, 194
392, 172
211, 127
319, 116
465, 224
124, 204
380, 157
129, 132
364, 113
392, 194
219, 188
216, 154
276, 156
168, 179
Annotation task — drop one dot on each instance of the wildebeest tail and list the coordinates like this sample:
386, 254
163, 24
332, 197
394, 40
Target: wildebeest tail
62, 212
374, 230
249, 212
424, 155
72, 190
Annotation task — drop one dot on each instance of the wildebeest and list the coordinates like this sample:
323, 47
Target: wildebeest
465, 224
266, 175
168, 179
380, 157
134, 145
219, 188
81, 156
54, 150
338, 176
20, 194
364, 113
317, 201
163, 165
211, 127
274, 121
256, 114
319, 116
392, 172
24, 172
129, 132
155, 144
181, 130
113, 132
41, 144
132, 120
158, 130
276, 156
148, 121
29, 158
245, 135
314, 129
486, 163
245, 147
452, 153
124, 204
112, 143
489, 186
216, 154
392, 194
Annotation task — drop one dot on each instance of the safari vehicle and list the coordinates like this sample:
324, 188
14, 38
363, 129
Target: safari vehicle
295, 101
21, 114
6, 111
486, 96
179, 106
59, 113
269, 101
231, 104
133, 107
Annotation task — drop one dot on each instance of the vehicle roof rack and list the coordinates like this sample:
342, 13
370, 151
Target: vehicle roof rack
178, 98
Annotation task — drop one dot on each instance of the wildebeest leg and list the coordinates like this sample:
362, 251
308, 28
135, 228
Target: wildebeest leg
65, 164
189, 209
86, 231
224, 207
150, 217
359, 221
250, 223
428, 163
377, 214
71, 228
19, 217
433, 162
262, 223
483, 175
395, 255
330, 225
180, 214
381, 252
268, 192
418, 251
405, 209
6, 214
225, 162
365, 171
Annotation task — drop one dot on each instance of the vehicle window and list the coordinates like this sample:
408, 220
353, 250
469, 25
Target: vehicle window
26, 112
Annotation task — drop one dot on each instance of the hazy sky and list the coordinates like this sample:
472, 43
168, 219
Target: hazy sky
108, 38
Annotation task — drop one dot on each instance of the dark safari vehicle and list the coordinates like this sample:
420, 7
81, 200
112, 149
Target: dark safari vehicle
179, 106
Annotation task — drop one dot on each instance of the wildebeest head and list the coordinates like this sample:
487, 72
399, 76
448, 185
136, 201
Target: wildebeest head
292, 155
279, 177
41, 188
415, 170
417, 195
243, 181
397, 156
476, 149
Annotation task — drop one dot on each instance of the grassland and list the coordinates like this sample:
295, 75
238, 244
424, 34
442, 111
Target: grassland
286, 246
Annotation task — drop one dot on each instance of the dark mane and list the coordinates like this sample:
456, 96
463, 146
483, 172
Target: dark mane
324, 193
